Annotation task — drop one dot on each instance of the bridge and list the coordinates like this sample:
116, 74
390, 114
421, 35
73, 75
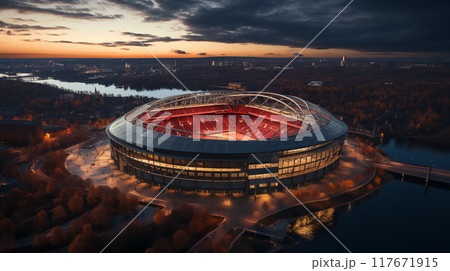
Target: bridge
365, 133
427, 173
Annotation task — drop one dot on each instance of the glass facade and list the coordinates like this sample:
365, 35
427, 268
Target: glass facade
223, 176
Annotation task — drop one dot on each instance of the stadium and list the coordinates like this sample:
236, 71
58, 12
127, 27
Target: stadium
237, 137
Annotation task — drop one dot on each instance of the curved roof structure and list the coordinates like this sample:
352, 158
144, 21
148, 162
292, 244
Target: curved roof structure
177, 113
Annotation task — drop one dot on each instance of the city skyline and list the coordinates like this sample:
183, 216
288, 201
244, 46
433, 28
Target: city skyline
78, 28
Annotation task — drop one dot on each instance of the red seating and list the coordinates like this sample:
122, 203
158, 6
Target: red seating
181, 120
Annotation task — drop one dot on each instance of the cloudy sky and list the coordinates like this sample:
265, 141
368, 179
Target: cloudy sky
196, 28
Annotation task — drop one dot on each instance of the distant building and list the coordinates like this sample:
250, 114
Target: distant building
237, 86
343, 61
315, 84
20, 131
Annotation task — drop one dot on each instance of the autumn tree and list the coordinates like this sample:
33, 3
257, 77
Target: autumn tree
75, 204
41, 221
181, 240
7, 233
40, 240
101, 216
59, 214
11, 170
51, 188
126, 204
91, 198
57, 236
84, 241
196, 227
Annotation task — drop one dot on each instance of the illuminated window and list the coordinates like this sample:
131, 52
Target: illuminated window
291, 162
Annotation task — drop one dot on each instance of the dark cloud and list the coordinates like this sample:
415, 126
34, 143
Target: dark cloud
9, 33
56, 34
366, 25
104, 44
66, 8
149, 37
24, 20
202, 54
32, 40
26, 27
161, 10
180, 52
125, 49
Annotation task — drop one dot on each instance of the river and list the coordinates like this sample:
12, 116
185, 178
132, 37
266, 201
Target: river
102, 89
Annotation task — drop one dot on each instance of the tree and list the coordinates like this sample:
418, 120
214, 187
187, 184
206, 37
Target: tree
51, 188
159, 217
59, 214
40, 240
58, 236
7, 233
41, 221
75, 204
331, 189
64, 196
84, 241
100, 215
91, 198
11, 170
181, 240
126, 204
196, 227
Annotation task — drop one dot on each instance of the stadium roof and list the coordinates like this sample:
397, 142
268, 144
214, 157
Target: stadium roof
288, 106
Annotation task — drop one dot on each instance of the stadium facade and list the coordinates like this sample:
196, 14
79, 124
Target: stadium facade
298, 141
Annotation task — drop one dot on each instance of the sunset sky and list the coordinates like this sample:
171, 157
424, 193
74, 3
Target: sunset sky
192, 28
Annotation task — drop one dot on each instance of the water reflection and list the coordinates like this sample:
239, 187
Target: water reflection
102, 89
307, 226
